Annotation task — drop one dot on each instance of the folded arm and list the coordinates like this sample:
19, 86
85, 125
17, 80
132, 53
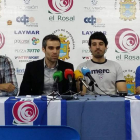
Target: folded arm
9, 86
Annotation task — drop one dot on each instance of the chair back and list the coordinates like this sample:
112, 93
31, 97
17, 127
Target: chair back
38, 133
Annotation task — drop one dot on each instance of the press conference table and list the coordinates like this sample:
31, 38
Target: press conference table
100, 118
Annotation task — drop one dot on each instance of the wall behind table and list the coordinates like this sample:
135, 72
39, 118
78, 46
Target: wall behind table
24, 23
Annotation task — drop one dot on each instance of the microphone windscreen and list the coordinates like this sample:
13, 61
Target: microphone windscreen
59, 75
78, 74
85, 70
68, 72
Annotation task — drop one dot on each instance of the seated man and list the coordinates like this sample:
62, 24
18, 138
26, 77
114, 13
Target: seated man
137, 80
38, 76
8, 81
107, 74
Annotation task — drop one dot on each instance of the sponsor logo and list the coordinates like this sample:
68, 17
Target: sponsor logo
26, 57
5, 3
35, 41
60, 6
33, 50
84, 41
18, 41
0, 8
26, 1
27, 50
64, 49
28, 21
2, 40
95, 8
87, 57
127, 10
115, 5
61, 18
100, 72
86, 51
26, 61
129, 76
25, 19
127, 40
25, 7
96, 22
9, 22
20, 50
24, 112
91, 32
67, 43
128, 57
26, 32
91, 20
20, 71
94, 2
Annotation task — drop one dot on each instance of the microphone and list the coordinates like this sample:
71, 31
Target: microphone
79, 76
69, 75
58, 76
86, 72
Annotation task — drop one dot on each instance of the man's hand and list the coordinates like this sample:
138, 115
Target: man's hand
8, 87
83, 92
138, 90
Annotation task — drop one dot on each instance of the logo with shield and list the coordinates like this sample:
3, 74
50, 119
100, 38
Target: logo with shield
127, 10
64, 48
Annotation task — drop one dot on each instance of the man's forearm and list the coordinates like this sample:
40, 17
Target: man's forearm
83, 92
1, 86
8, 87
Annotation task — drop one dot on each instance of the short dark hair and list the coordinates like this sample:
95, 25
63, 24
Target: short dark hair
49, 37
98, 35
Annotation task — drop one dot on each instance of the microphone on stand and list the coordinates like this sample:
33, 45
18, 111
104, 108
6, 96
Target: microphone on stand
68, 74
58, 77
79, 76
86, 72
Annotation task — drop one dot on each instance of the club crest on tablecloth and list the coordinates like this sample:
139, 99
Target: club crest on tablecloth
24, 112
